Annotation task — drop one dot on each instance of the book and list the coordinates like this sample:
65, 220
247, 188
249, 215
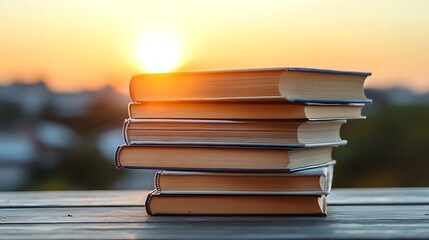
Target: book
241, 110
160, 204
220, 158
316, 181
302, 85
233, 132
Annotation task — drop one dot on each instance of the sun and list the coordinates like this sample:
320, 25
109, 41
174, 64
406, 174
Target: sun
158, 52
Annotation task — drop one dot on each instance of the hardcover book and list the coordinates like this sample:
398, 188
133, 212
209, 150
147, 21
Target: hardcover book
159, 204
221, 158
302, 85
315, 181
241, 110
229, 132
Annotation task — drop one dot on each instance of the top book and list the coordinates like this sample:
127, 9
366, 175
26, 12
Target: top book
301, 85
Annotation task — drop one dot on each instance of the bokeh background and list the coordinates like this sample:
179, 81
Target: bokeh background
65, 68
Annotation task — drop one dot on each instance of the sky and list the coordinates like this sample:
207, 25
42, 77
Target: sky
81, 44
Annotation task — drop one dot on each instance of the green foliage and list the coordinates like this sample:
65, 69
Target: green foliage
389, 149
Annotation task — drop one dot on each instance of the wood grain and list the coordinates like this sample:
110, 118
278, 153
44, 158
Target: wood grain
215, 231
381, 196
343, 222
72, 198
340, 214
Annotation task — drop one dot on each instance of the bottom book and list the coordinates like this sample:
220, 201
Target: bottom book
158, 204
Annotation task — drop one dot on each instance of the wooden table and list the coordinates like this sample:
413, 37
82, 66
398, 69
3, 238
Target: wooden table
352, 213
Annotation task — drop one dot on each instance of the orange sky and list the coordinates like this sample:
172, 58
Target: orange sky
77, 45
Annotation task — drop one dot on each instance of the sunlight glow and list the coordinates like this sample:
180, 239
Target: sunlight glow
159, 52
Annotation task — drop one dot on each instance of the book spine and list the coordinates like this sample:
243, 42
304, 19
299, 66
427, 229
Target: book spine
129, 110
329, 178
157, 181
125, 130
323, 206
117, 161
131, 89
147, 203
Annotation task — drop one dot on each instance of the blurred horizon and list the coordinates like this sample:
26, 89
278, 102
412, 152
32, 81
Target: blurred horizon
66, 141
101, 88
76, 45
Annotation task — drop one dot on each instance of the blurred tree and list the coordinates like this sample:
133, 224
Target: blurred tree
79, 168
388, 149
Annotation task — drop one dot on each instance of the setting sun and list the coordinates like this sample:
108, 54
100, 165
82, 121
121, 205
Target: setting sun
158, 52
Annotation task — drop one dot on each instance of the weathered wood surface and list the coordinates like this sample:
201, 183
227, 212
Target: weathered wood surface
366, 196
363, 213
72, 198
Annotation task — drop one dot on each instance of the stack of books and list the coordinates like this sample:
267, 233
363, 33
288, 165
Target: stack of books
250, 141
